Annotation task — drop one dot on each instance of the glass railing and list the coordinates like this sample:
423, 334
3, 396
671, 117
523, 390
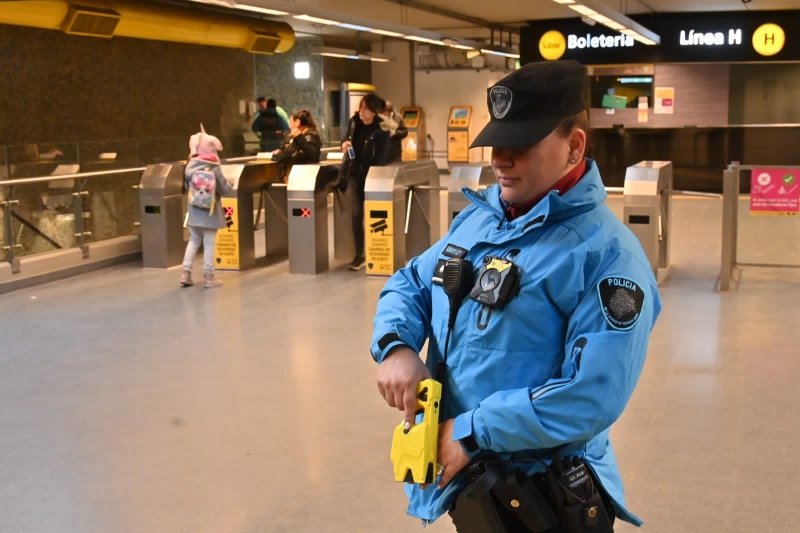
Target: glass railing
56, 196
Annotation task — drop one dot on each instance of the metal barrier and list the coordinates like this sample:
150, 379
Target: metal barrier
646, 210
401, 214
236, 246
69, 222
783, 202
310, 188
161, 208
475, 177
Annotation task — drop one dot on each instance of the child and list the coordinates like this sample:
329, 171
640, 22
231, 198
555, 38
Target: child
206, 184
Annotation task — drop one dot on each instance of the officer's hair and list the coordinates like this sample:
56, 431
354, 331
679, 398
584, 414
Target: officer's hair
581, 120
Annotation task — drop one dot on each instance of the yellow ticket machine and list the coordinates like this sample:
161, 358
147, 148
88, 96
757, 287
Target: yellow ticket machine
415, 140
458, 134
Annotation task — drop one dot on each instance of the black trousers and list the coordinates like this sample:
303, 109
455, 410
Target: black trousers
355, 196
511, 524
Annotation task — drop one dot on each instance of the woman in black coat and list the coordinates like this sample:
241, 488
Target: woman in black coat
368, 136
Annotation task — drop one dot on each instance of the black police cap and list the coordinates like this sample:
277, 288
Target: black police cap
528, 105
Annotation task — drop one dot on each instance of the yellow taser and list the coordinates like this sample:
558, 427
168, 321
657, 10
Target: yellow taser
414, 451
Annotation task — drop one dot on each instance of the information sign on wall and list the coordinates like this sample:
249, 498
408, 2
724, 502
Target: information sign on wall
775, 192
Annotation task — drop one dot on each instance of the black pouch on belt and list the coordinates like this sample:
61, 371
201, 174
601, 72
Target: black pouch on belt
500, 499
575, 497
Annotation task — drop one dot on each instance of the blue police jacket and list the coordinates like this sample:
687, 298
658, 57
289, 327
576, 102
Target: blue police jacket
555, 366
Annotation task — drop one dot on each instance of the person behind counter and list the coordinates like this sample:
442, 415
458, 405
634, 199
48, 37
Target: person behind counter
206, 185
303, 145
368, 136
270, 124
544, 338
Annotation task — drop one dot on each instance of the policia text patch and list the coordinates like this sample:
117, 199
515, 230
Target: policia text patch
622, 301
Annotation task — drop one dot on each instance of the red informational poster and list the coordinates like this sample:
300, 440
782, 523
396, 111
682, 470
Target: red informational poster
775, 191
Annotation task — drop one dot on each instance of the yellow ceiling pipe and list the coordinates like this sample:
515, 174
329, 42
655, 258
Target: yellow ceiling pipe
143, 20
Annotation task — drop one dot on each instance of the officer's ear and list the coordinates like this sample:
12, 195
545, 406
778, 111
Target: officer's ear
577, 143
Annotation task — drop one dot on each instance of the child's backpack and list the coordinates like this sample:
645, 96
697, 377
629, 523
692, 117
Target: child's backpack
202, 189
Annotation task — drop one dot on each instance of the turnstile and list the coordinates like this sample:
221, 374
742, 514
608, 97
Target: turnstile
161, 215
475, 177
236, 243
309, 190
401, 214
646, 210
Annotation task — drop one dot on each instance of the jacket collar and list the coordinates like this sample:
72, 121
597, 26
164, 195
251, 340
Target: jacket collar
588, 193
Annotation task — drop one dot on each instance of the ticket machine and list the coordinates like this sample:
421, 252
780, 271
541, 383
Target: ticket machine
458, 135
415, 141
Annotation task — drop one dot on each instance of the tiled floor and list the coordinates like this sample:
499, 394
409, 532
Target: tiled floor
128, 405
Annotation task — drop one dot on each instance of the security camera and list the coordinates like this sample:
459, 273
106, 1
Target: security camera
591, 22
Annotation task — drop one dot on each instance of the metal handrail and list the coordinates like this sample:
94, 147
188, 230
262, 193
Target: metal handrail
63, 177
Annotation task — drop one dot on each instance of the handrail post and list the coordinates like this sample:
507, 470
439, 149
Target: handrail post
9, 246
730, 210
80, 231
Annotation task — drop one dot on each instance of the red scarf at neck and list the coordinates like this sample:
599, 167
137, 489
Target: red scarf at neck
562, 186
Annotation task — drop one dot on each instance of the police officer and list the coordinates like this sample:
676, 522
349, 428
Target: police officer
549, 361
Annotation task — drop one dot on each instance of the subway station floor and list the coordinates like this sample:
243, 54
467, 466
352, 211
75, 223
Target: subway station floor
128, 405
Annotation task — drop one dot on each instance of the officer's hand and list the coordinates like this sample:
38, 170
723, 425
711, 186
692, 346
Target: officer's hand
398, 380
452, 456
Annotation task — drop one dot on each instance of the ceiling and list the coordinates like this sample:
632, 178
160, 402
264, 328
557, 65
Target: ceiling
470, 19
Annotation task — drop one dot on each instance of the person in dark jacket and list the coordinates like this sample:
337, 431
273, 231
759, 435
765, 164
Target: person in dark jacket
303, 145
398, 131
271, 125
368, 135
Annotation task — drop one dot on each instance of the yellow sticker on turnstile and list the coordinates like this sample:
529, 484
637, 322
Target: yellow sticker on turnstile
227, 253
379, 225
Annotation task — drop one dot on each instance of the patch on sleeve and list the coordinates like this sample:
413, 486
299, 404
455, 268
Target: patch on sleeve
621, 300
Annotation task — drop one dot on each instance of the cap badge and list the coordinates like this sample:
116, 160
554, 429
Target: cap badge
501, 101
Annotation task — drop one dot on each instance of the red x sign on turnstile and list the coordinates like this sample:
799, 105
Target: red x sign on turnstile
228, 211
305, 212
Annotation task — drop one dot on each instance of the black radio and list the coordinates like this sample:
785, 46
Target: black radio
498, 282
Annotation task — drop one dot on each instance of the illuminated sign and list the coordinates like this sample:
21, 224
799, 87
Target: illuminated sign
769, 39
693, 38
726, 37
598, 41
552, 45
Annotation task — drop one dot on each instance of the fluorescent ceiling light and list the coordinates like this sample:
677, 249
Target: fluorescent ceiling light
354, 27
309, 18
263, 10
332, 51
605, 21
423, 40
387, 33
373, 58
600, 12
583, 10
498, 53
635, 80
461, 47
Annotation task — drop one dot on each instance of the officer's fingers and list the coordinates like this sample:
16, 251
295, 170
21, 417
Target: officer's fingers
409, 403
446, 478
391, 398
382, 390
